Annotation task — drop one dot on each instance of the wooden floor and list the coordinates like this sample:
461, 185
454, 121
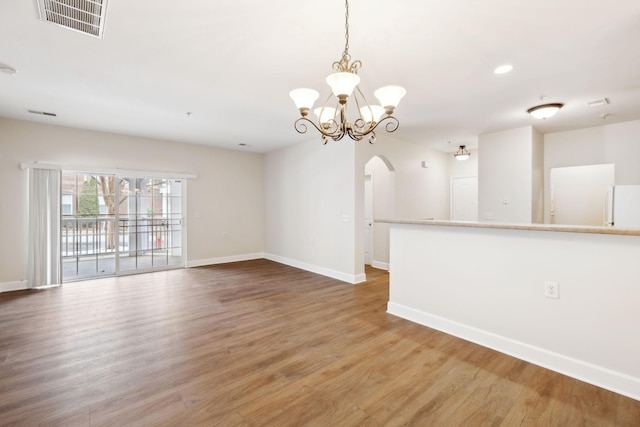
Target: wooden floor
258, 343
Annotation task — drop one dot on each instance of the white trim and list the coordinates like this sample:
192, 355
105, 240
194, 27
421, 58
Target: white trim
349, 278
380, 265
112, 171
224, 260
593, 374
13, 286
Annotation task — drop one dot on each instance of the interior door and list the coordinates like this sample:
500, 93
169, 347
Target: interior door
368, 219
464, 198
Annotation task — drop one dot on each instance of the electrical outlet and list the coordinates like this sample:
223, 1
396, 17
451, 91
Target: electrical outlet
551, 290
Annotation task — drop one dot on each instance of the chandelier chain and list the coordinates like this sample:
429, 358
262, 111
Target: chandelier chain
346, 30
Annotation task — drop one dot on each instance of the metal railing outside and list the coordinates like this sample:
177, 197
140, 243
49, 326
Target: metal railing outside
99, 235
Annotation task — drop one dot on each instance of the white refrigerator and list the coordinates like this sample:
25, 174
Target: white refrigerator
624, 206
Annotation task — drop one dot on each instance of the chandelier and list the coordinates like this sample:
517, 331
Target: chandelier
332, 118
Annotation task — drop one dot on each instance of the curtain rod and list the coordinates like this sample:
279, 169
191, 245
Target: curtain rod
110, 171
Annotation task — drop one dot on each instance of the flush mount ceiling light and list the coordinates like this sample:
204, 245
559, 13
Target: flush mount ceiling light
544, 111
8, 69
462, 153
333, 121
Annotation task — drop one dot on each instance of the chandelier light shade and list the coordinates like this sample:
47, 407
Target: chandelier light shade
371, 113
462, 153
389, 97
343, 84
333, 117
304, 99
544, 111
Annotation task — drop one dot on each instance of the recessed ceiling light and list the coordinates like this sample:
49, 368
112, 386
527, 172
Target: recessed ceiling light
503, 69
242, 144
8, 69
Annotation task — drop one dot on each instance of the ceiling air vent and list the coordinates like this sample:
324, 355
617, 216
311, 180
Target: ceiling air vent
86, 16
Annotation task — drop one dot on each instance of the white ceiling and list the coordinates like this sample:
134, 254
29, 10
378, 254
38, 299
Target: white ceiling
232, 64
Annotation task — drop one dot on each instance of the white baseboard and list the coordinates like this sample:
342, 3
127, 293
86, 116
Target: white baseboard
380, 265
13, 286
224, 260
593, 374
349, 278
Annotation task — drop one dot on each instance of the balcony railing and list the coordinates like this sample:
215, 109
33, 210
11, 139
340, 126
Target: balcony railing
92, 236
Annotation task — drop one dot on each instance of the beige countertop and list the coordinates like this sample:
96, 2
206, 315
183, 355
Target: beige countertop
533, 227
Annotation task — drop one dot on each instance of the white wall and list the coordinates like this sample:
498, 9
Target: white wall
310, 188
310, 208
226, 197
497, 299
537, 177
505, 172
420, 192
617, 143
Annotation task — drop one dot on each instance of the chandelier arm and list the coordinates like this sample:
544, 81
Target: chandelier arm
390, 126
355, 135
360, 123
301, 127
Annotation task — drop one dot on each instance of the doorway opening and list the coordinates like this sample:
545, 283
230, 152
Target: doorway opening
379, 203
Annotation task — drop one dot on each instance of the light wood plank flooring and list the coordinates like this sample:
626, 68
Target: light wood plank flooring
261, 344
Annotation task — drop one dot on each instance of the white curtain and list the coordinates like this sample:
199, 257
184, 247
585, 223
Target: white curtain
44, 228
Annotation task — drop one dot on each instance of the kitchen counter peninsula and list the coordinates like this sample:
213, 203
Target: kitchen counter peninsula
507, 226
487, 282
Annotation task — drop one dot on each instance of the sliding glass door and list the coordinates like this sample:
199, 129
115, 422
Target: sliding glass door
119, 225
150, 218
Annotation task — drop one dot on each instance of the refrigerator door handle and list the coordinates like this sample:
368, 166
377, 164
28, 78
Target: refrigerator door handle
607, 208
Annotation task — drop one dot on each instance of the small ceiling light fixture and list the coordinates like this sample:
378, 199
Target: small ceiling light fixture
544, 111
503, 69
462, 153
8, 69
333, 121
